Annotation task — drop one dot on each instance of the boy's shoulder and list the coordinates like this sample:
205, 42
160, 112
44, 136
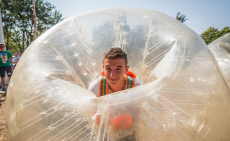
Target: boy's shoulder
138, 82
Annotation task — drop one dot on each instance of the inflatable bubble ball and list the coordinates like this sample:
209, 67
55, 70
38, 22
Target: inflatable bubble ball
220, 48
184, 96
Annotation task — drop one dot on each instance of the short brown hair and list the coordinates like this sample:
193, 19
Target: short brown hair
115, 53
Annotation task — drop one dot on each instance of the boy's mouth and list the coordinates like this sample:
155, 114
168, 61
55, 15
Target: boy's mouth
113, 79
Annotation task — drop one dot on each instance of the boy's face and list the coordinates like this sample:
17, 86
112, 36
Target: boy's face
114, 70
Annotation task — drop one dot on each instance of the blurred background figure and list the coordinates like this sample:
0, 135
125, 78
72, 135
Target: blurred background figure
15, 59
19, 55
5, 65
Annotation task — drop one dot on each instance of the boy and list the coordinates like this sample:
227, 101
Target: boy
115, 76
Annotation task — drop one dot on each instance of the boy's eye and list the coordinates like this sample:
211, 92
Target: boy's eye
108, 69
118, 69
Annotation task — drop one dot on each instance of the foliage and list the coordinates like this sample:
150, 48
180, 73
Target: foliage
212, 34
223, 31
18, 23
180, 17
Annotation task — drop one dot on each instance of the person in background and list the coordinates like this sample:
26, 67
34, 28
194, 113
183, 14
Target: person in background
15, 59
19, 55
5, 65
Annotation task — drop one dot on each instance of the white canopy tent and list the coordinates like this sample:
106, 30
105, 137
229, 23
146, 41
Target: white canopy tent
1, 29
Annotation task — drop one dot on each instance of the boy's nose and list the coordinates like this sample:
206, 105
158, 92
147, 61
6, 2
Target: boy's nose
113, 73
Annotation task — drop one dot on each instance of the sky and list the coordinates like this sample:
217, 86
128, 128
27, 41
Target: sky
201, 14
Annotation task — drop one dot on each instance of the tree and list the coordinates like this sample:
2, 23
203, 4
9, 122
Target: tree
180, 17
224, 31
212, 34
18, 24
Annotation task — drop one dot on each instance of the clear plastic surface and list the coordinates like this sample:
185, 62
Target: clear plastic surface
220, 49
184, 95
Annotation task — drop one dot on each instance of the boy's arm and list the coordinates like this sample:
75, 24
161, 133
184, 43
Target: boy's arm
12, 67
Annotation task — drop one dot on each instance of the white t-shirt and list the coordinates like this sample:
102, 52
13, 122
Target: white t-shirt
14, 60
94, 86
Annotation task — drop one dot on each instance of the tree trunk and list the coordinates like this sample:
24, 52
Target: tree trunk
7, 39
7, 47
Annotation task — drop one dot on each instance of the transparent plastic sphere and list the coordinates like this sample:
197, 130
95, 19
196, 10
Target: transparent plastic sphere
220, 49
183, 96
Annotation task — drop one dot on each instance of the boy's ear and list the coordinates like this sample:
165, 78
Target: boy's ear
126, 68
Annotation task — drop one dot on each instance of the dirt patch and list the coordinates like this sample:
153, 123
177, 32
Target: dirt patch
3, 129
